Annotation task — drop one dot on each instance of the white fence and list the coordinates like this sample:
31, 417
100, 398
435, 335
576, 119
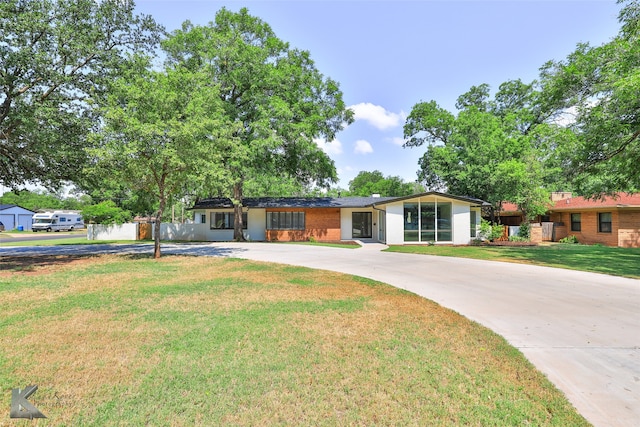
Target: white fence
188, 232
168, 231
127, 231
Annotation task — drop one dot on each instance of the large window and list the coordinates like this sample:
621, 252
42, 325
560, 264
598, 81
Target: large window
604, 222
224, 220
444, 223
576, 222
285, 220
473, 223
428, 222
410, 222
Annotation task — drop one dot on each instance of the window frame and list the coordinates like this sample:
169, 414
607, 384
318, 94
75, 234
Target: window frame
286, 220
473, 223
576, 225
228, 219
601, 224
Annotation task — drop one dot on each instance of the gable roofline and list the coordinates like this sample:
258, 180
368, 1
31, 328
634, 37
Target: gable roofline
471, 200
11, 205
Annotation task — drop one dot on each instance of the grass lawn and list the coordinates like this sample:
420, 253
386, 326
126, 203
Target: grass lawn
117, 340
598, 259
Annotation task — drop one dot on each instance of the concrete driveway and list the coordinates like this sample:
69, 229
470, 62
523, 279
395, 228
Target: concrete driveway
581, 329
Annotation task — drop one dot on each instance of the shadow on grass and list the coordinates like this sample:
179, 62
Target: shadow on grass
29, 263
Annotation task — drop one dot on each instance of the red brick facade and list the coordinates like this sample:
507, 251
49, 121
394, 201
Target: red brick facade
625, 220
589, 233
323, 224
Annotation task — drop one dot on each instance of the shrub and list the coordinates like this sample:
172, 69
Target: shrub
490, 232
524, 231
569, 239
518, 239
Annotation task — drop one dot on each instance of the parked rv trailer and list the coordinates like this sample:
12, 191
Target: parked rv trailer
57, 221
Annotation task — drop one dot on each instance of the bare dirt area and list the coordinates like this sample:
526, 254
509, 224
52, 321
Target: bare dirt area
41, 264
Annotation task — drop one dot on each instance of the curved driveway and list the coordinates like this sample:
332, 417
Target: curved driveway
581, 329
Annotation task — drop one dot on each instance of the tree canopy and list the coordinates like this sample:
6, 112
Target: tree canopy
163, 134
368, 183
40, 199
273, 96
106, 212
56, 60
597, 89
577, 128
491, 149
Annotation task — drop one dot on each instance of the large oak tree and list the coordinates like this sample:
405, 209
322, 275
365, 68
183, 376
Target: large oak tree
274, 96
56, 60
597, 89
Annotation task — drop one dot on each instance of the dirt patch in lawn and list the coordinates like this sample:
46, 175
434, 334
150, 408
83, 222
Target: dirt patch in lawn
41, 264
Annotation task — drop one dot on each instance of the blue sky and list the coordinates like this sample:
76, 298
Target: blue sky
389, 55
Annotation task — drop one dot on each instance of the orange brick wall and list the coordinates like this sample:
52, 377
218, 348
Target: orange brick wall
321, 224
561, 231
629, 229
589, 234
536, 233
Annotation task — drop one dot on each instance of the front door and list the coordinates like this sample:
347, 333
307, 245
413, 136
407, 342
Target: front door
361, 225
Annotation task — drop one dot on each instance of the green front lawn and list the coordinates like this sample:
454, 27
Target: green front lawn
117, 340
598, 259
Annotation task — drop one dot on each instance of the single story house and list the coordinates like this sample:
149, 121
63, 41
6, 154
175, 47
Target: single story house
611, 221
430, 217
13, 216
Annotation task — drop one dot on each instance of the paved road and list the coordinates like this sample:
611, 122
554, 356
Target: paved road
8, 238
581, 329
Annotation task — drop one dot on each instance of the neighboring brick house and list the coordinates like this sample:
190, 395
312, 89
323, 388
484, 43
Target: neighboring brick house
611, 221
421, 218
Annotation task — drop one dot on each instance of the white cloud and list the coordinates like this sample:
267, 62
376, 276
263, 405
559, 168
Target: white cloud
377, 116
363, 147
397, 141
333, 147
566, 117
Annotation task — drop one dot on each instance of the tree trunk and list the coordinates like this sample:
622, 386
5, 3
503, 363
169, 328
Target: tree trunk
156, 227
238, 225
